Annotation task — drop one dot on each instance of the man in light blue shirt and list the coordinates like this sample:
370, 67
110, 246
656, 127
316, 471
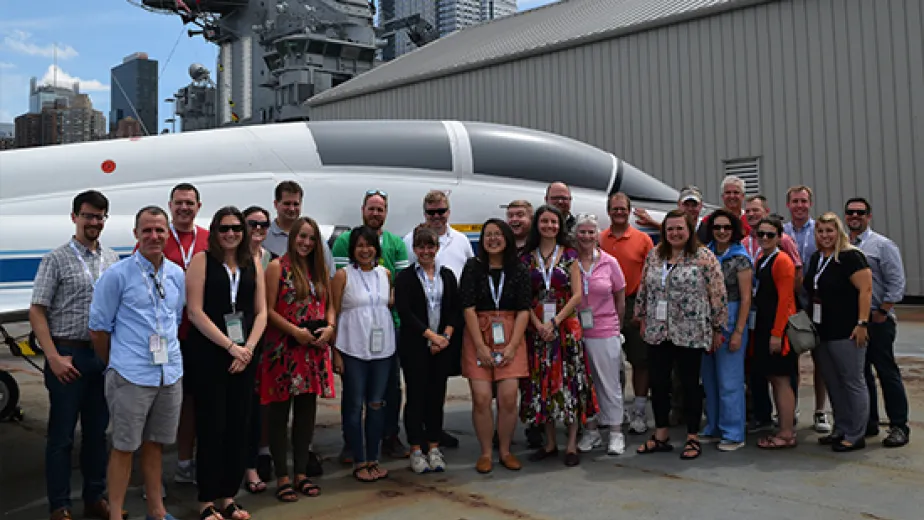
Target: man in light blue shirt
885, 261
134, 318
801, 228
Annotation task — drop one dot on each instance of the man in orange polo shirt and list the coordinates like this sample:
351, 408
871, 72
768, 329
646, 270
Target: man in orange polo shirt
630, 247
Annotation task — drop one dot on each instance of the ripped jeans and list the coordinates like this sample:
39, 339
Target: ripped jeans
364, 385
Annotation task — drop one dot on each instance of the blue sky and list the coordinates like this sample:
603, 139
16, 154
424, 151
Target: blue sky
92, 36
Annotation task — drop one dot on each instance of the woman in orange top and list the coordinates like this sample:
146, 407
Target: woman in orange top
774, 302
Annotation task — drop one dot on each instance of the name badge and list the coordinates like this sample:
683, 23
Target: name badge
752, 319
234, 324
587, 318
816, 312
158, 346
549, 311
497, 332
661, 310
376, 341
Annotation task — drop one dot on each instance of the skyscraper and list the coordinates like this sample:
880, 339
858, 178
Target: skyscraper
134, 93
42, 95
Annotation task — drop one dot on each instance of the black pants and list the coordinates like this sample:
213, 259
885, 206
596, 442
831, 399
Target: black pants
880, 354
425, 377
661, 359
303, 419
255, 432
223, 409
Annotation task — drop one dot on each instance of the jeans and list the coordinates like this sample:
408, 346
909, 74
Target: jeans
364, 385
880, 354
723, 382
83, 398
393, 399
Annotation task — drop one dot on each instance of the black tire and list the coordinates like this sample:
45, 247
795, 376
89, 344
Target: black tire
9, 396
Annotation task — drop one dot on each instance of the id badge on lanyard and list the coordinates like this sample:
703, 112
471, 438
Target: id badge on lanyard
157, 342
498, 335
661, 307
234, 321
158, 346
377, 334
549, 309
586, 315
816, 301
376, 340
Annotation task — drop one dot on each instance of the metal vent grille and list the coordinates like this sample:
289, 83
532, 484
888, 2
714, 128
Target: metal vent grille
748, 170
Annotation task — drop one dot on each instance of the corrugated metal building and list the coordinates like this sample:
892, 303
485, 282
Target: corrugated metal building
828, 93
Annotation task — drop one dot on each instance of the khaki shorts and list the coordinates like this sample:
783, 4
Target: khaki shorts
142, 413
635, 349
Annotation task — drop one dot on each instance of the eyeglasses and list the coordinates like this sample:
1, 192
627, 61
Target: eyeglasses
766, 234
157, 285
93, 216
437, 211
722, 227
224, 228
855, 212
258, 224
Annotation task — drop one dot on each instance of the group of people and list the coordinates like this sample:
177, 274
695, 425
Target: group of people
213, 338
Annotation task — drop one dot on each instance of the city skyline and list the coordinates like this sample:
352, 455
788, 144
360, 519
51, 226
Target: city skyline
79, 45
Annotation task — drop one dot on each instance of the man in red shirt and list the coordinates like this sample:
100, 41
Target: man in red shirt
185, 240
630, 247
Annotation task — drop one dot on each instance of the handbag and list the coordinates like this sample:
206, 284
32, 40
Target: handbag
801, 333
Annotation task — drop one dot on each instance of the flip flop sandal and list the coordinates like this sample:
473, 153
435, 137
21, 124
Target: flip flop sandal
305, 486
286, 493
256, 487
358, 469
775, 442
377, 471
209, 512
694, 446
232, 508
658, 447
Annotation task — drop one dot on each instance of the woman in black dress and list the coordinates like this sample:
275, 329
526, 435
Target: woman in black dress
227, 306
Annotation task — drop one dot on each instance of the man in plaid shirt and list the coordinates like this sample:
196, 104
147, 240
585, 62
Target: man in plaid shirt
59, 316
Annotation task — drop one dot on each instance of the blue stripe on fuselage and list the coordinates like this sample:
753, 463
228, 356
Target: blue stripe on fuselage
18, 270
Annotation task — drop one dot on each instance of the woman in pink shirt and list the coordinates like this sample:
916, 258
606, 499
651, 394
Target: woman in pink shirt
603, 300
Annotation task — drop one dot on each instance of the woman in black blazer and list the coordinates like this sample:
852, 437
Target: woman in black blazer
427, 300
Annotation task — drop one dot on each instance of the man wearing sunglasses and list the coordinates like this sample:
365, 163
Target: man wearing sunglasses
59, 315
455, 249
394, 258
885, 259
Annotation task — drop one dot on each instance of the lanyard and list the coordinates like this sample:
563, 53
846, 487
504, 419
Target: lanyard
766, 260
187, 255
160, 286
235, 277
496, 291
821, 267
753, 249
431, 288
585, 275
547, 273
86, 268
373, 297
803, 241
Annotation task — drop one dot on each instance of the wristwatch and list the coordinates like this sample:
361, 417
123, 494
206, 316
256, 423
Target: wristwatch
862, 323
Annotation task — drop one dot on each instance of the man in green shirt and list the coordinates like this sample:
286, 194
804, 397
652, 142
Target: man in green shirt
394, 258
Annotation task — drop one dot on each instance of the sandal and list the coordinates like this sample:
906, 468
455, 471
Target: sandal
692, 445
285, 493
775, 442
209, 512
653, 445
377, 471
256, 487
234, 508
370, 477
308, 488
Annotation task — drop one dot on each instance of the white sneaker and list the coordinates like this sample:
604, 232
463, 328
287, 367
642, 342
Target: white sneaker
590, 440
617, 444
821, 423
419, 462
436, 461
638, 425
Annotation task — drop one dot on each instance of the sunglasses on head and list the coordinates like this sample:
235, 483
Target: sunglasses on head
380, 193
437, 211
855, 212
224, 228
256, 224
766, 234
722, 227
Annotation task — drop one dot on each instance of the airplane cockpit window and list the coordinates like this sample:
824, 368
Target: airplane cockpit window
641, 186
537, 156
399, 144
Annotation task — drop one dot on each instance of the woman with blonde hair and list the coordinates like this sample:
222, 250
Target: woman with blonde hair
840, 288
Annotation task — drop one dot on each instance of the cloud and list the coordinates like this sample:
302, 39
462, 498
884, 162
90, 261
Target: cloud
5, 65
57, 77
20, 41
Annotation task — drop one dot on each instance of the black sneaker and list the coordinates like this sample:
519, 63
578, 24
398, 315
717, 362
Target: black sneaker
534, 438
830, 440
896, 438
313, 468
760, 426
448, 441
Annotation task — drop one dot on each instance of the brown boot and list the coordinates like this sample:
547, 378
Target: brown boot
62, 513
100, 510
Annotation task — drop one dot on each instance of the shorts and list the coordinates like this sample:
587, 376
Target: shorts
142, 413
766, 364
635, 349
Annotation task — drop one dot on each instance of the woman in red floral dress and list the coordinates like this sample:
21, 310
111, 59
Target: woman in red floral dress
295, 368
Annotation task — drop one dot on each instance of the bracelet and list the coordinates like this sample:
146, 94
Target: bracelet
230, 345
